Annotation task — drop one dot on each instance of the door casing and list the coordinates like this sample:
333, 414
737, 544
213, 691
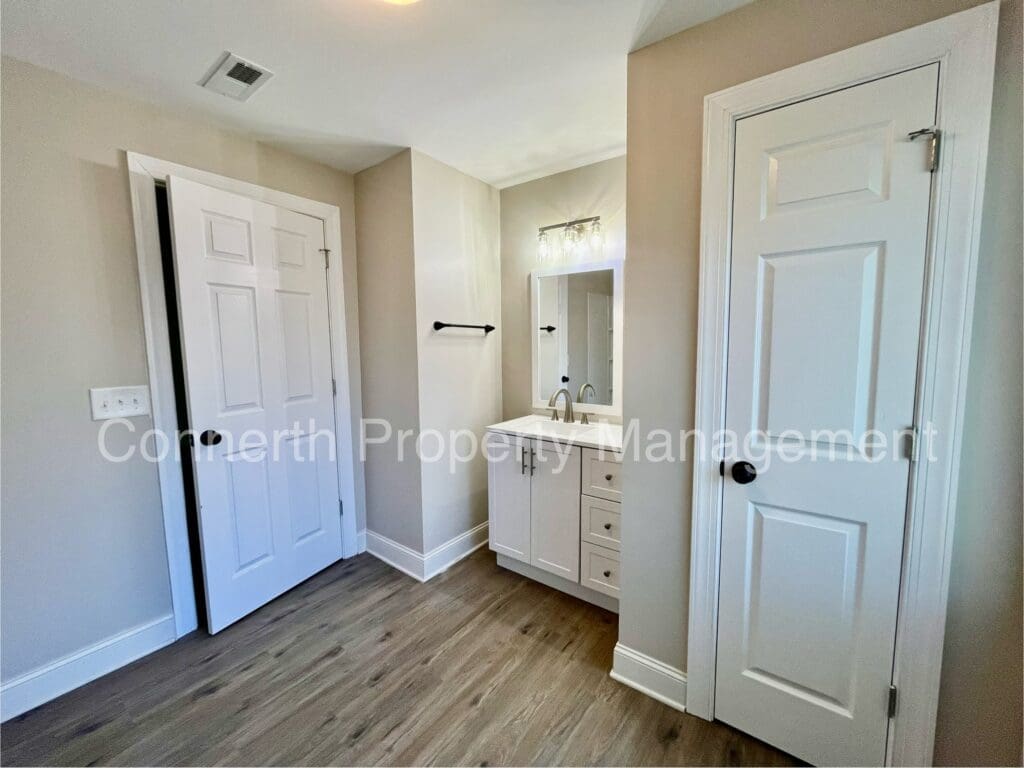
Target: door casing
964, 46
143, 174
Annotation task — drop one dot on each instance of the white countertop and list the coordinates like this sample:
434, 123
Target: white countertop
597, 435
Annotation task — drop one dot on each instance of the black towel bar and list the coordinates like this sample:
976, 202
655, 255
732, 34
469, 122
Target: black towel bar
438, 325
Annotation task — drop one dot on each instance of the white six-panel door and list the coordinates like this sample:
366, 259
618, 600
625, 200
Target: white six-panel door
829, 242
252, 297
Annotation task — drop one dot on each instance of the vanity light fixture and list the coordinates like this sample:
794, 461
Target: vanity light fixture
576, 234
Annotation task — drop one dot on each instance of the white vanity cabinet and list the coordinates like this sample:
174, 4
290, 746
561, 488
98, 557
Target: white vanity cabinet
533, 509
508, 495
555, 509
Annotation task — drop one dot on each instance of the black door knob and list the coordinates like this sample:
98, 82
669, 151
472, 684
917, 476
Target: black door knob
743, 472
210, 437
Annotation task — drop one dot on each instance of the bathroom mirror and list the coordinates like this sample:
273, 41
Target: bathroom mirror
576, 327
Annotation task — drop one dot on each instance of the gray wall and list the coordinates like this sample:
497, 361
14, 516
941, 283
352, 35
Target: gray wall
592, 190
83, 544
666, 86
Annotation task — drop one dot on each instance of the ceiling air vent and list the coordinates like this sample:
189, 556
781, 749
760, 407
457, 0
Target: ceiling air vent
235, 77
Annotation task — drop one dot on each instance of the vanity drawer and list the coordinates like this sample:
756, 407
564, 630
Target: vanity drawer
602, 474
600, 569
600, 522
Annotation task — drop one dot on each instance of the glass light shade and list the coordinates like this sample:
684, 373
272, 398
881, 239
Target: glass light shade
569, 239
543, 247
596, 236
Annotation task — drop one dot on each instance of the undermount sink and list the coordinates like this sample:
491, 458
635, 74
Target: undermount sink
600, 435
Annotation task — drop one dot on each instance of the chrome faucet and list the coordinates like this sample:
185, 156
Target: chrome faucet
553, 404
579, 399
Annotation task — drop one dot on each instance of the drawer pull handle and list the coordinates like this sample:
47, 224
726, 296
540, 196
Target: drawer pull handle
607, 526
607, 574
608, 478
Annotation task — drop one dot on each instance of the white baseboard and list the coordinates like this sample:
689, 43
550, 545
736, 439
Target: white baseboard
578, 591
423, 567
442, 558
408, 561
646, 674
41, 685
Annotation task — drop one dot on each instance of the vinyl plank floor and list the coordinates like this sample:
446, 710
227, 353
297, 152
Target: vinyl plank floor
361, 665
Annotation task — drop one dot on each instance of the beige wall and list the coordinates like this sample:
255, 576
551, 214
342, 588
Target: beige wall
458, 280
428, 250
593, 190
83, 546
387, 328
666, 86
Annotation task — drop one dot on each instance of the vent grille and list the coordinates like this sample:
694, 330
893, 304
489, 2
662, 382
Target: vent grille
235, 77
244, 73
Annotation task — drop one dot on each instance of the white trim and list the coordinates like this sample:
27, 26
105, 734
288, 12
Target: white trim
143, 173
646, 674
549, 579
964, 44
41, 685
361, 542
442, 558
615, 265
425, 567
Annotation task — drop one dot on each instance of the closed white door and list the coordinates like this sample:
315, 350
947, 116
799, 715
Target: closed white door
508, 490
555, 510
252, 296
829, 242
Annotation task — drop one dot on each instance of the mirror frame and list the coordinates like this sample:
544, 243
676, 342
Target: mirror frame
540, 401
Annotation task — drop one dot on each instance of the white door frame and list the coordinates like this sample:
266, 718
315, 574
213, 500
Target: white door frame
964, 45
143, 174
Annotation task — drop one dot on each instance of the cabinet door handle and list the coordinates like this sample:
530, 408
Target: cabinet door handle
607, 526
607, 574
533, 453
608, 477
522, 461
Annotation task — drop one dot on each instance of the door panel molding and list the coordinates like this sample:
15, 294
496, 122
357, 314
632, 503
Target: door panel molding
964, 46
144, 173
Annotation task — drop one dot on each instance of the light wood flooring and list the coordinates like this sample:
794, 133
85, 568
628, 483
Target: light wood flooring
361, 665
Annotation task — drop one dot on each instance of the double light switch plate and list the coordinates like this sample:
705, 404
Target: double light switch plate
119, 402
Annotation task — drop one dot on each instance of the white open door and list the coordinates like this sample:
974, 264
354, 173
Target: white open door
828, 262
252, 295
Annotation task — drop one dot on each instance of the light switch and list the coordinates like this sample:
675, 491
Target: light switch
119, 402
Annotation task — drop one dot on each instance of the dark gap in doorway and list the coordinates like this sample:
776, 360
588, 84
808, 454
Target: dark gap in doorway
163, 216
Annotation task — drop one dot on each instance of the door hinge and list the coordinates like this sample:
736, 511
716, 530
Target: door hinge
910, 443
935, 136
334, 387
892, 701
721, 468
327, 257
341, 508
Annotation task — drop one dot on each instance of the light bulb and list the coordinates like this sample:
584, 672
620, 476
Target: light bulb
596, 236
543, 247
569, 239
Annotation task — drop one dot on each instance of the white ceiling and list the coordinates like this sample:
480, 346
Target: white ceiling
504, 90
